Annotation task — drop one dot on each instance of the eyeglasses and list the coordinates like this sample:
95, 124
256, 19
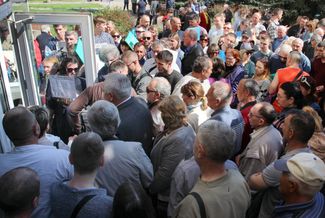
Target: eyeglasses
282, 58
70, 70
149, 90
304, 80
139, 31
205, 40
146, 38
116, 36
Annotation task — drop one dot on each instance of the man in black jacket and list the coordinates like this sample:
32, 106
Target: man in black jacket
191, 49
136, 121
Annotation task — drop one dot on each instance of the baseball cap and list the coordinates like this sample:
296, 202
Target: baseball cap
306, 167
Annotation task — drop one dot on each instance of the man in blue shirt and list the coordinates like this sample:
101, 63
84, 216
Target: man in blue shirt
302, 178
51, 164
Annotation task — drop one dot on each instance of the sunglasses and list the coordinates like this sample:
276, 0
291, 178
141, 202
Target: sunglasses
116, 36
146, 38
205, 40
304, 80
70, 70
139, 31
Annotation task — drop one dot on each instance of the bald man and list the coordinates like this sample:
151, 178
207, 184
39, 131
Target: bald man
51, 164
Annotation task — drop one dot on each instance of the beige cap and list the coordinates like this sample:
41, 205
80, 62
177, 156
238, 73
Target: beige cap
306, 167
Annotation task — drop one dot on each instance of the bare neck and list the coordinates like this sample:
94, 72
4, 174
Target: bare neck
211, 171
294, 144
82, 181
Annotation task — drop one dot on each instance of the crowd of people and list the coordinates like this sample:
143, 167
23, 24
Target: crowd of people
200, 117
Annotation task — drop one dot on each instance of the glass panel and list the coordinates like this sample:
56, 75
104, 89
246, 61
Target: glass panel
48, 46
10, 66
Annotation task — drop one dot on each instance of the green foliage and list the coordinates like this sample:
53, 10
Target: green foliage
293, 8
122, 19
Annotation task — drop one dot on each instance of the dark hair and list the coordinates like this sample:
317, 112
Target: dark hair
267, 112
18, 189
86, 151
165, 56
66, 61
291, 90
131, 201
309, 84
218, 68
303, 125
42, 117
18, 123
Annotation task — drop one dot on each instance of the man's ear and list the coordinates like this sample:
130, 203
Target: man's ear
108, 97
35, 202
293, 187
200, 150
101, 161
36, 129
71, 159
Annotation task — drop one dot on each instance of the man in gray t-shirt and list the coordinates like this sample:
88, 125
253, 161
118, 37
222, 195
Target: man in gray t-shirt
298, 128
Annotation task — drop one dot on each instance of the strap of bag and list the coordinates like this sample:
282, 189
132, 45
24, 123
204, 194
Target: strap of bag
200, 203
80, 205
297, 76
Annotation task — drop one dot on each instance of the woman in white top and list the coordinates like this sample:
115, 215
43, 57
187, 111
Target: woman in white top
196, 102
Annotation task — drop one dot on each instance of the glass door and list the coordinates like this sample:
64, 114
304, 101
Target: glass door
28, 31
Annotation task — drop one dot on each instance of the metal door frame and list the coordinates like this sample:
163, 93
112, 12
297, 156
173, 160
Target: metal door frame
26, 69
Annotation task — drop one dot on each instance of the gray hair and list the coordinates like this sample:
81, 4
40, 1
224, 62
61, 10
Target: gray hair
298, 40
201, 63
317, 38
282, 27
305, 189
163, 86
159, 43
295, 56
321, 44
192, 34
45, 28
251, 86
103, 118
71, 33
118, 85
286, 49
218, 140
108, 53
222, 90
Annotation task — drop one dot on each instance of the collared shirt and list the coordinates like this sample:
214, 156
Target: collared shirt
234, 119
184, 178
314, 208
271, 177
124, 101
124, 161
51, 164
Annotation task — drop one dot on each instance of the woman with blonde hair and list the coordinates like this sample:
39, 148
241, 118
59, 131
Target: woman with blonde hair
171, 146
317, 141
175, 41
197, 106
